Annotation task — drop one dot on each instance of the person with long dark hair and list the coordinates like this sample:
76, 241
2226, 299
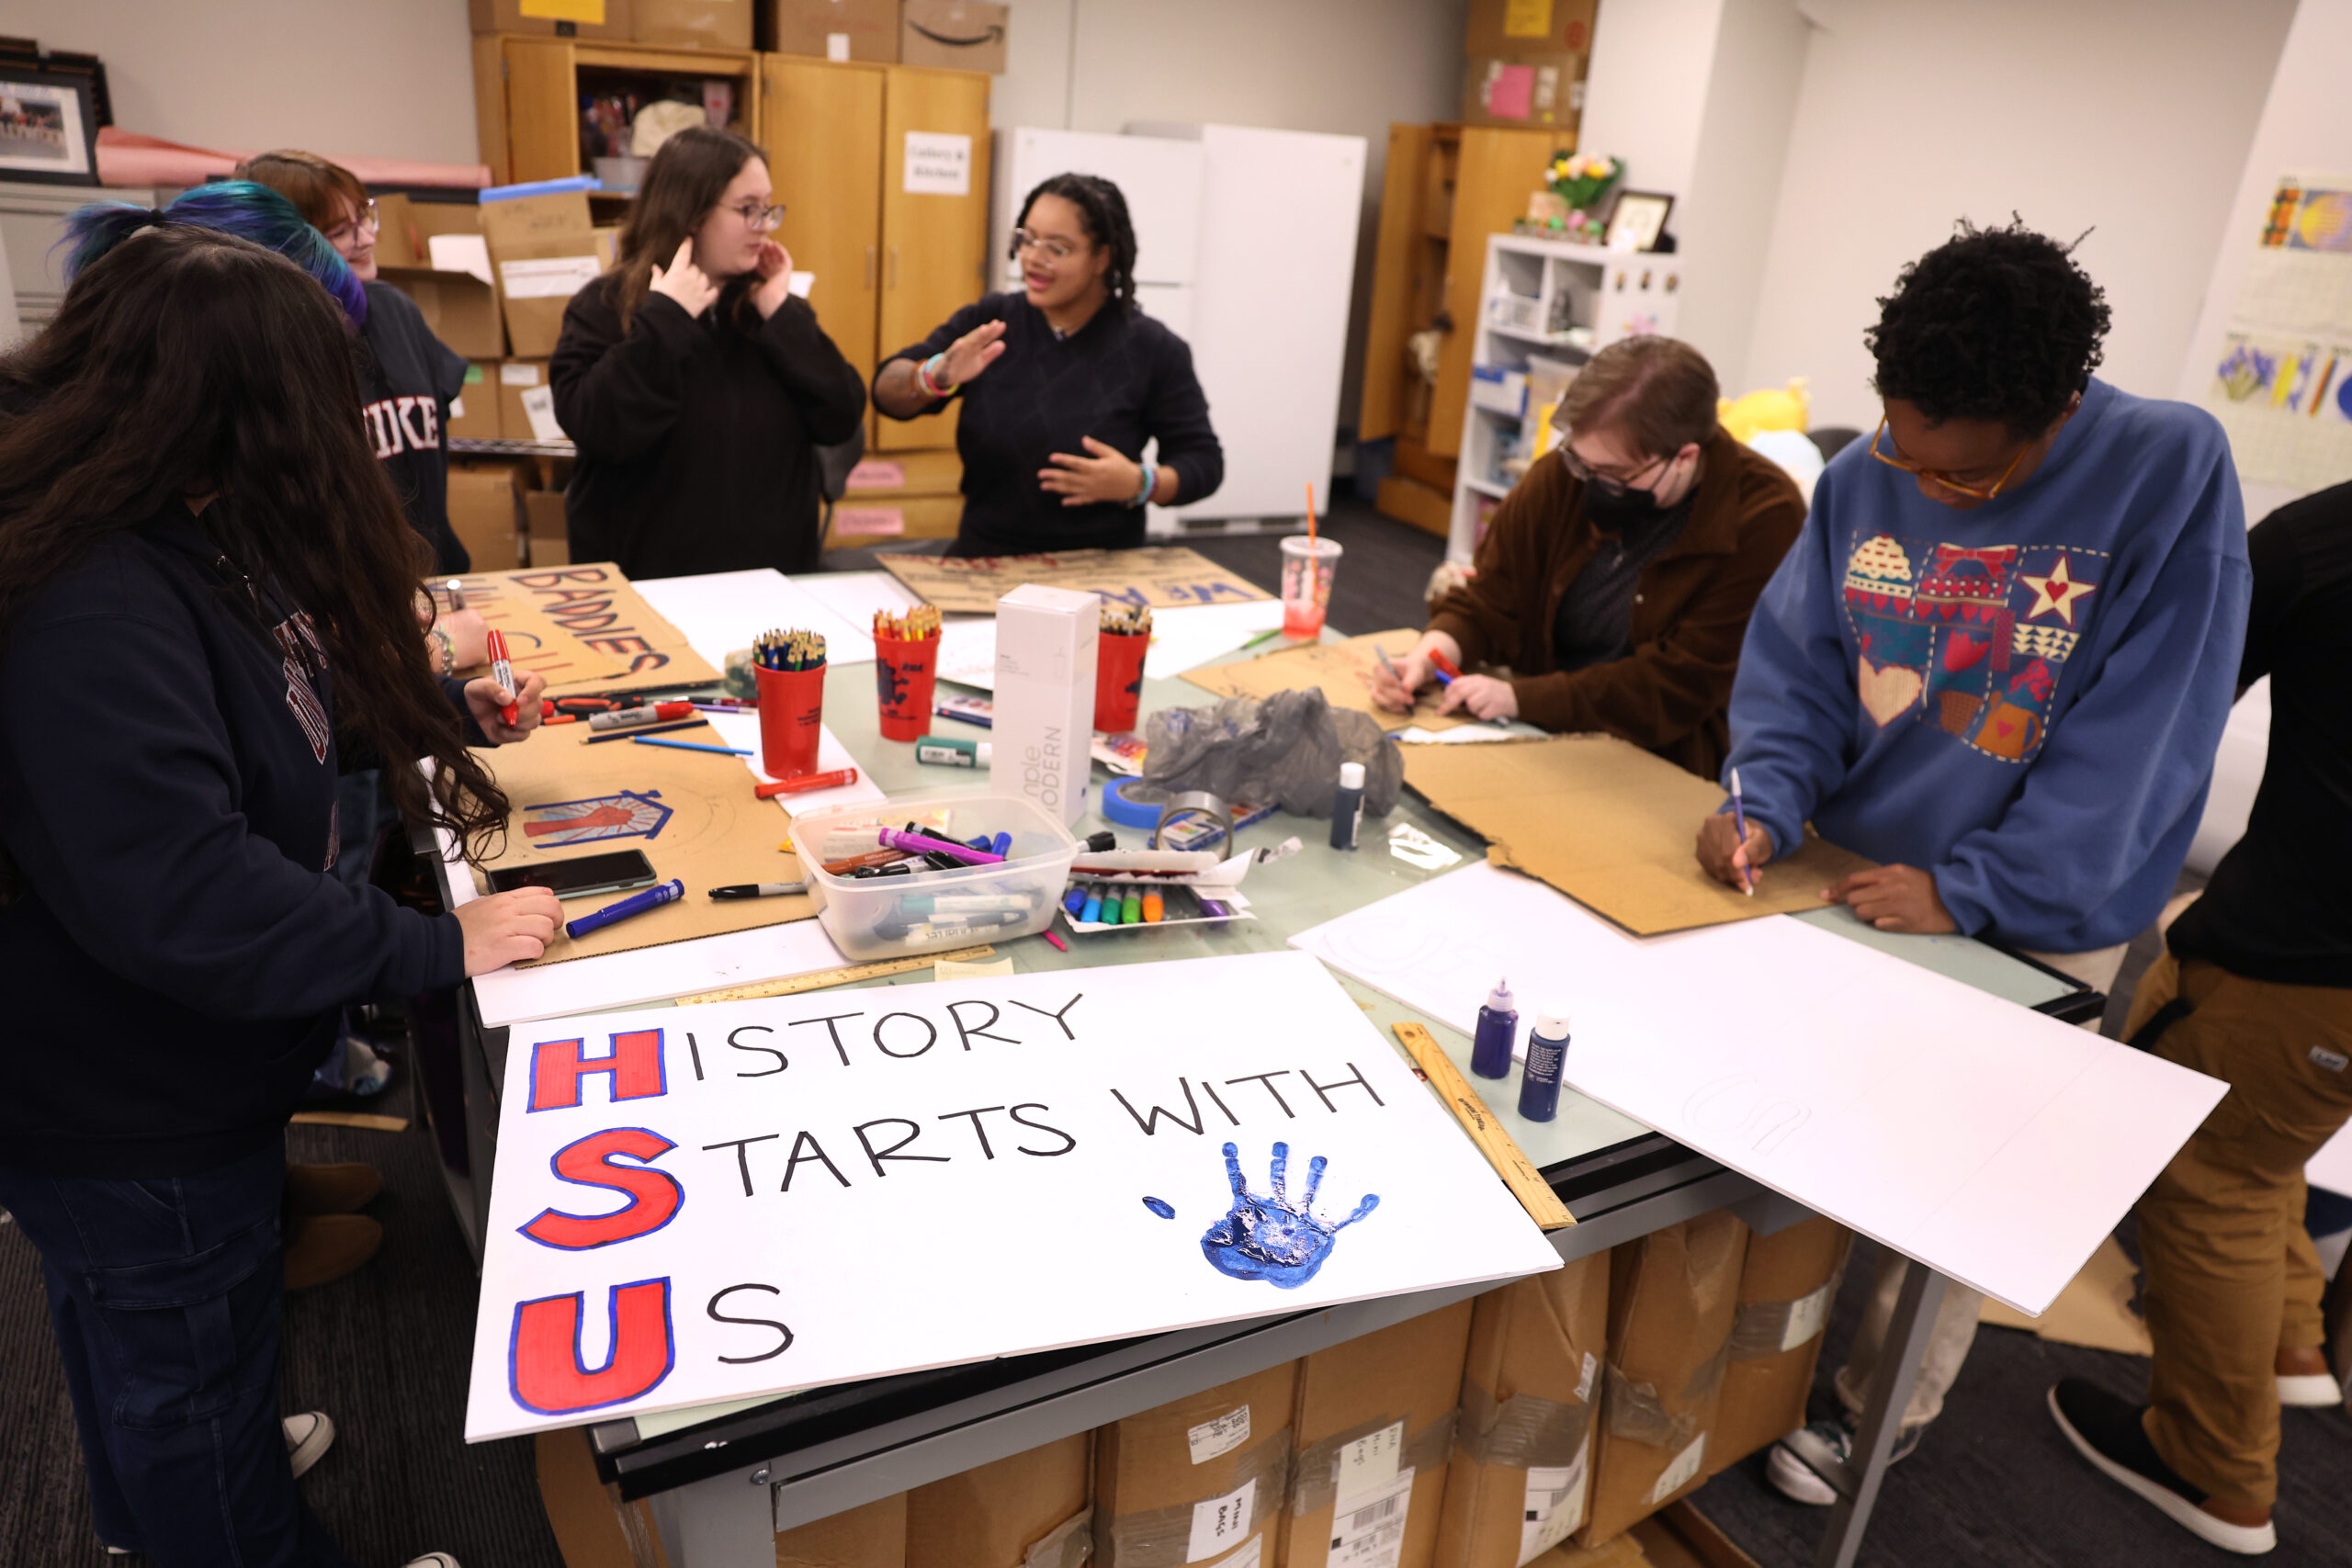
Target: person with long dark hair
207, 609
1053, 443
696, 385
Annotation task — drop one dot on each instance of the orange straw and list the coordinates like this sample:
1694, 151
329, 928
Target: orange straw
1310, 512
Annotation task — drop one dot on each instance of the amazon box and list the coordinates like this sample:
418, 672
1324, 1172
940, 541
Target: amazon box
1672, 1299
1025, 1511
953, 35
1785, 1288
872, 1536
1201, 1479
837, 29
1520, 1476
473, 414
543, 250
1373, 1431
552, 18
692, 23
547, 540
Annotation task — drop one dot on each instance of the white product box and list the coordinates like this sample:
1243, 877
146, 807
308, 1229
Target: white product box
1044, 697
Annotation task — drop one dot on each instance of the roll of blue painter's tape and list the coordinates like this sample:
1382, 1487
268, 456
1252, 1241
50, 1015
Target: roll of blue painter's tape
1117, 808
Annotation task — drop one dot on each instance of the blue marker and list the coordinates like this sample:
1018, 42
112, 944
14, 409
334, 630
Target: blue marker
1091, 914
690, 746
635, 904
1075, 902
1004, 845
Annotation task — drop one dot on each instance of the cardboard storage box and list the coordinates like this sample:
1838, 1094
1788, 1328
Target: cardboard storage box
693, 24
473, 417
544, 249
1201, 1479
1540, 92
1523, 1448
1046, 644
552, 18
953, 35
1373, 1432
485, 510
1672, 1297
547, 540
526, 402
1530, 27
1786, 1289
872, 1536
837, 29
1025, 1511
452, 291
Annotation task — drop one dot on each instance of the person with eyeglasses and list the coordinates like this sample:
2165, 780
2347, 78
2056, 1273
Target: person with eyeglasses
1053, 440
1614, 581
1998, 661
695, 384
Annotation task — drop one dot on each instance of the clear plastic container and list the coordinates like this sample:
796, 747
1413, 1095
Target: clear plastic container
899, 917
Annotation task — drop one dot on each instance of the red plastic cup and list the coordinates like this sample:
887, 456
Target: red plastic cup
792, 720
1118, 681
905, 675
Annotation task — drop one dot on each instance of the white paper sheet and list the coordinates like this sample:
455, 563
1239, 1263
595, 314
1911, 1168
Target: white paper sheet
1182, 639
1992, 1142
722, 610
1032, 1125
2332, 1166
854, 596
967, 650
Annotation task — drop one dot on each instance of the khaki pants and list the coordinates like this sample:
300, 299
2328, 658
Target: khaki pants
2231, 1273
1955, 1329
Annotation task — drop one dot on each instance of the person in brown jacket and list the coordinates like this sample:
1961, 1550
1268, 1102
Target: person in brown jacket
1615, 582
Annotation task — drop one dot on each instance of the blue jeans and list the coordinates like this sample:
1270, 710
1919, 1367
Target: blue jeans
167, 1297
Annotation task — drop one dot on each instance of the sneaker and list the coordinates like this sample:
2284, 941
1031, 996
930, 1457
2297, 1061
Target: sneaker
431, 1560
321, 1247
331, 1189
1792, 1464
2105, 1430
2310, 1391
308, 1438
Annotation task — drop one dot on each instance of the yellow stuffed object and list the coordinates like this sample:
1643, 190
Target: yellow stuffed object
1771, 409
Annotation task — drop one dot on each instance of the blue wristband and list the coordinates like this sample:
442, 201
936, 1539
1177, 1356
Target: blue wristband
1150, 483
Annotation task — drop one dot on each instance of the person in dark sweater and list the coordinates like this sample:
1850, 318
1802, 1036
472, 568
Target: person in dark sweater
695, 384
1053, 441
2256, 989
207, 609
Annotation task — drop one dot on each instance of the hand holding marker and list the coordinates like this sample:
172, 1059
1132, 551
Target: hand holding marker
503, 674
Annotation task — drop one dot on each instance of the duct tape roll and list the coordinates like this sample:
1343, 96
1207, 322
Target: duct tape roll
1191, 801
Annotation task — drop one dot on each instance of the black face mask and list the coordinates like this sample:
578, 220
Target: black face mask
1614, 507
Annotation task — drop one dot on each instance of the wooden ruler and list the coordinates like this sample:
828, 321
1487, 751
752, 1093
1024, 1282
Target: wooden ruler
1502, 1150
793, 984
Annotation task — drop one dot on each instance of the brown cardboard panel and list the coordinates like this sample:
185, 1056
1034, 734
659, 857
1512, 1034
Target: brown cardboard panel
1153, 1470
457, 308
483, 513
1340, 670
1530, 1384
1672, 1299
869, 28
992, 1516
527, 236
582, 626
692, 23
2095, 1309
1537, 92
953, 35
1619, 1552
872, 1536
1612, 826
1518, 26
1162, 576
547, 543
549, 18
517, 376
1785, 1287
473, 417
592, 1527
1384, 1403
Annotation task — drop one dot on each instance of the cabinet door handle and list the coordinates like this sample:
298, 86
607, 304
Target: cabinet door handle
894, 266
869, 268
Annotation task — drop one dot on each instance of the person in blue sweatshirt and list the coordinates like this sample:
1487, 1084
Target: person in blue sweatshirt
206, 611
1997, 660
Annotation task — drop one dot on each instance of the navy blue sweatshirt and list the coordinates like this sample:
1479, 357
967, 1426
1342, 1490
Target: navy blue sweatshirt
175, 947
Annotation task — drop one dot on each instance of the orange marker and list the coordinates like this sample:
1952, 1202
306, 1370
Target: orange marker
807, 781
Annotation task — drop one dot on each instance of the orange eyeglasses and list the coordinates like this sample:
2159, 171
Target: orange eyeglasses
1958, 487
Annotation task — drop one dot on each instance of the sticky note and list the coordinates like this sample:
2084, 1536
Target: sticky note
1510, 90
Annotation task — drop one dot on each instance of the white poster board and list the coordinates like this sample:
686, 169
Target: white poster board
702, 1203
1992, 1143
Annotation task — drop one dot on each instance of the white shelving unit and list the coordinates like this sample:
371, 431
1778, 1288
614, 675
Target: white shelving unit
1544, 300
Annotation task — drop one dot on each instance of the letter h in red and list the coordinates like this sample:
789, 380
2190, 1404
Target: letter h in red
634, 1062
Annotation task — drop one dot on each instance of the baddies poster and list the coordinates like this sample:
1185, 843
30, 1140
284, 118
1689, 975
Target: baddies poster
701, 1204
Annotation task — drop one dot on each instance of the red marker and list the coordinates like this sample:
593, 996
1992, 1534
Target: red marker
503, 674
807, 781
1445, 666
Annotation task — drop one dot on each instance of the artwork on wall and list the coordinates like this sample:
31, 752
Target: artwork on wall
49, 128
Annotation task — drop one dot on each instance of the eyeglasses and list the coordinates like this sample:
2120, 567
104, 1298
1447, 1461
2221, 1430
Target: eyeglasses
367, 222
1958, 487
1054, 245
1606, 482
758, 218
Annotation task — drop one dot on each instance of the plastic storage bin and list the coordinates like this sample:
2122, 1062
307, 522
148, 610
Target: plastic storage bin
894, 917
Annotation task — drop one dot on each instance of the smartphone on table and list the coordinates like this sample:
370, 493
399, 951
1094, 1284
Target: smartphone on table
615, 872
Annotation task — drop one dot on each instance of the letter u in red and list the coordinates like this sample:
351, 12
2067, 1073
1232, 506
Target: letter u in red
634, 1065
543, 1368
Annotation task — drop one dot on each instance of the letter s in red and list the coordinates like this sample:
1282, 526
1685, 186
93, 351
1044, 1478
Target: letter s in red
654, 1196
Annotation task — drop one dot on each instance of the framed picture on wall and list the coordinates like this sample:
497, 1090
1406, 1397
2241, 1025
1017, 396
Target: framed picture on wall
1637, 219
49, 131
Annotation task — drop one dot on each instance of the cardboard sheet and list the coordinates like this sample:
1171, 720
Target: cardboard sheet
1158, 575
788, 1182
585, 628
2094, 1309
1340, 669
1612, 826
1994, 1143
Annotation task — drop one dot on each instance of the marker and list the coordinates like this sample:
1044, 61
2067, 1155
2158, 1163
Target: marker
457, 594
503, 673
1131, 908
635, 904
1262, 637
1075, 902
1091, 912
760, 890
856, 864
806, 782
1002, 846
692, 746
560, 718
1055, 937
1739, 820
692, 721
927, 903
1382, 655
638, 719
1153, 908
954, 751
923, 843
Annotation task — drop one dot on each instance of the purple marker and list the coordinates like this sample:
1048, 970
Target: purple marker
635, 904
898, 839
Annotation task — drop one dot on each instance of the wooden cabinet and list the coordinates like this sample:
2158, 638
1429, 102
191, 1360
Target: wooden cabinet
934, 245
1447, 188
822, 131
528, 91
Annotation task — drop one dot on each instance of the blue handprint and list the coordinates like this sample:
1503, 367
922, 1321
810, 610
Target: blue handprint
1269, 1239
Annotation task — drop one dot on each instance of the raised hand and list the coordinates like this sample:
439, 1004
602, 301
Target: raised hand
973, 353
684, 282
1271, 1239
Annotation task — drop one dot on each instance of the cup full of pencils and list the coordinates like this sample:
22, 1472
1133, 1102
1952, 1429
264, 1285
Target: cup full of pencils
1118, 666
790, 669
906, 670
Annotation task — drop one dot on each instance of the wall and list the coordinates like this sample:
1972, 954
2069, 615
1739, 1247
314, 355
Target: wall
2127, 117
392, 79
1647, 90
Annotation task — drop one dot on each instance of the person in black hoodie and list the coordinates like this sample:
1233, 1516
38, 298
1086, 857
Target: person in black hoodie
206, 610
695, 384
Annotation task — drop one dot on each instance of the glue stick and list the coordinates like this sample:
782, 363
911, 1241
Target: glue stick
1547, 1052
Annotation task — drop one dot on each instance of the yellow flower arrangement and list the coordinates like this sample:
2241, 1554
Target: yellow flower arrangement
1581, 179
